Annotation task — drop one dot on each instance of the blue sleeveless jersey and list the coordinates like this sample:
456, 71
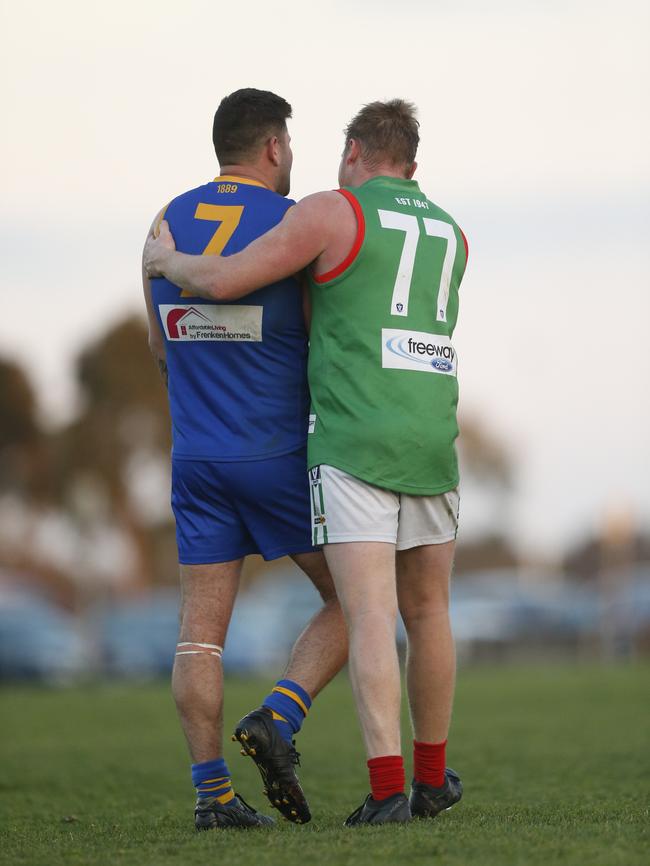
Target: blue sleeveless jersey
237, 369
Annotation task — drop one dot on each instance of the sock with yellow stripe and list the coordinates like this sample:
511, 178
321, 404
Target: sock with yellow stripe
212, 779
289, 704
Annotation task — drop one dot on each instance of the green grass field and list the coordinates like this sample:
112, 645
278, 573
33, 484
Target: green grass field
554, 762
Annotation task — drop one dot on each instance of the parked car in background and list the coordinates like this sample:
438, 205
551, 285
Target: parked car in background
39, 641
495, 614
137, 638
267, 620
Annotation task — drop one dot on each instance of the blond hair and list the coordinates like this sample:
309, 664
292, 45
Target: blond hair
386, 132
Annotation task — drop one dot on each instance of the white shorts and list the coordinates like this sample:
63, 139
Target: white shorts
345, 508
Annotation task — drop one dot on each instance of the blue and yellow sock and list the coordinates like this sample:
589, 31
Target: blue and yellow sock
212, 779
289, 704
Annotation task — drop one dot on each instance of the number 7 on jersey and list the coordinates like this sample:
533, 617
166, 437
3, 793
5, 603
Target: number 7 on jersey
408, 223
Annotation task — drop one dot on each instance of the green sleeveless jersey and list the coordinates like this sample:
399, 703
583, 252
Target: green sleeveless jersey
382, 369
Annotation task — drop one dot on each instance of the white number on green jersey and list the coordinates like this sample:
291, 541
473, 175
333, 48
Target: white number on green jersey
408, 223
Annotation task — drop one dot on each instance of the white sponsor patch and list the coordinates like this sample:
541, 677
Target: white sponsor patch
417, 350
312, 424
236, 323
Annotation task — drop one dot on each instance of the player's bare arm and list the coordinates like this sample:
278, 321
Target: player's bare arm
321, 227
156, 340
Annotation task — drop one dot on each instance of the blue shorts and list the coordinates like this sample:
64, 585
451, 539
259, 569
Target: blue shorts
225, 511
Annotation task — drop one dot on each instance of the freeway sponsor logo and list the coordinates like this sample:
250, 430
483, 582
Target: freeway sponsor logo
417, 350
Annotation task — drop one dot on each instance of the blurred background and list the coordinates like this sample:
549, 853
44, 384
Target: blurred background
535, 136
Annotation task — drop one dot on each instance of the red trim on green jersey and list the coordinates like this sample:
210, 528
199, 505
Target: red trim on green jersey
466, 246
356, 246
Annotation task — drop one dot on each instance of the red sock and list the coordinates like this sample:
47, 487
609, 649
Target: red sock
429, 763
386, 776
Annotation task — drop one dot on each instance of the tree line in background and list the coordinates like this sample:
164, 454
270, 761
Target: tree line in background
85, 476
84, 508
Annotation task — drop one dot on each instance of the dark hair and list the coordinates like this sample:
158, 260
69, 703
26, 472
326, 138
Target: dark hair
386, 132
245, 120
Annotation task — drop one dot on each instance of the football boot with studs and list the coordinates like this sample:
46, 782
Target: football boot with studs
276, 760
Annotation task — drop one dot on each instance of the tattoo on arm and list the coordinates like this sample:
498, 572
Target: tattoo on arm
162, 366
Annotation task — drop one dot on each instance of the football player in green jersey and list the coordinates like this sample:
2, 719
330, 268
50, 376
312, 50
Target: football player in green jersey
384, 264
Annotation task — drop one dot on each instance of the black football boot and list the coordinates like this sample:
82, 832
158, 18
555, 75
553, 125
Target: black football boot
392, 810
210, 814
427, 801
276, 760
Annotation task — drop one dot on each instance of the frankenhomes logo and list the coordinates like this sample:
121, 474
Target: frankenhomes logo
179, 319
224, 322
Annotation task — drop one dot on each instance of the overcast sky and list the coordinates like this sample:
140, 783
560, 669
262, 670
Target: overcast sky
535, 136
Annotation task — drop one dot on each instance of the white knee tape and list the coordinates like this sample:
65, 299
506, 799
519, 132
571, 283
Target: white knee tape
211, 649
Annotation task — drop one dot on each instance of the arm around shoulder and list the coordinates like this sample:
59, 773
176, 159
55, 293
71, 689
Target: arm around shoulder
289, 247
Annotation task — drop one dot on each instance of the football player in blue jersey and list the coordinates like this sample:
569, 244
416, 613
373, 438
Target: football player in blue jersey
239, 403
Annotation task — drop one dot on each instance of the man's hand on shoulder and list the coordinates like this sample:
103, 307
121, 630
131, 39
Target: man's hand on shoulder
158, 246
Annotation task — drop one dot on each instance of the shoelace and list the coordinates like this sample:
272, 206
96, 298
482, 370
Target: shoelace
246, 805
294, 754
